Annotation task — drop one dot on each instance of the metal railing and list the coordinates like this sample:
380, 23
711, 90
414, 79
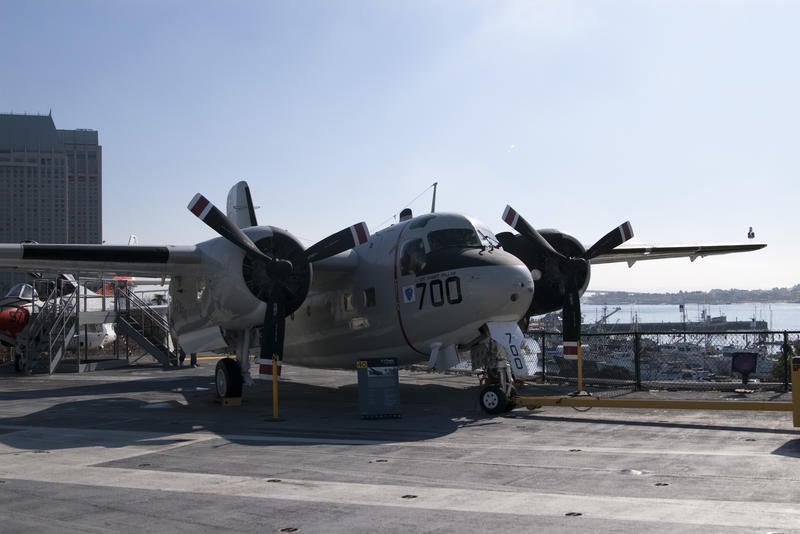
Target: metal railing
672, 360
63, 328
152, 323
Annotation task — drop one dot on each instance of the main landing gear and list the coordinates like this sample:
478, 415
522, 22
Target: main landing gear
228, 379
231, 374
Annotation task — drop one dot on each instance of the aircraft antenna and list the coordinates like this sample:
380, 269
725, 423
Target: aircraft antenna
433, 203
411, 202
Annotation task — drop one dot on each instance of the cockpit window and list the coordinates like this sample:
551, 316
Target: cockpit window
453, 237
412, 257
488, 238
21, 291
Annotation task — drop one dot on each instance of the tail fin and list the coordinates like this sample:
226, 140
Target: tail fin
240, 207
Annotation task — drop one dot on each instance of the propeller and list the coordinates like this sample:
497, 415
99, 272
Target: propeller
274, 273
572, 269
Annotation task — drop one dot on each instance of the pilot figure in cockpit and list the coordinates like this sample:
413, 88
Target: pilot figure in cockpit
413, 259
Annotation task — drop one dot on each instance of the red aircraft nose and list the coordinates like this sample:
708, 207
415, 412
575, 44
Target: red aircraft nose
13, 320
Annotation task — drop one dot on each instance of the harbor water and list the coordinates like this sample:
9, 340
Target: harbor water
779, 316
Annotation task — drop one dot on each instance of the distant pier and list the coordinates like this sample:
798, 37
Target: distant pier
712, 326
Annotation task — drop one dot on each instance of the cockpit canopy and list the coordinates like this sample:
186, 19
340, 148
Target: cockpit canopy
453, 237
437, 231
22, 291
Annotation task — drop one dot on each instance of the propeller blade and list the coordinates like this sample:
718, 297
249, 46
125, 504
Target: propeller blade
518, 223
220, 223
571, 316
611, 240
273, 332
342, 240
571, 320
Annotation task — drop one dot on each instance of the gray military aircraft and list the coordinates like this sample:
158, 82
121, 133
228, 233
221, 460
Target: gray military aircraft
439, 287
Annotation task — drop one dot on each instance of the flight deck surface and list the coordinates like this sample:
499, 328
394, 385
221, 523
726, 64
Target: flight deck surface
143, 449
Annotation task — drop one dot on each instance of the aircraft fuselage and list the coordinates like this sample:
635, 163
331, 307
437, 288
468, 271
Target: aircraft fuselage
388, 308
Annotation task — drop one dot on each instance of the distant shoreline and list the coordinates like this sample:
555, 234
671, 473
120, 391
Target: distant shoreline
790, 295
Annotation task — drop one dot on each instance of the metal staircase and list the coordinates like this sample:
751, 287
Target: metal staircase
145, 326
49, 333
58, 318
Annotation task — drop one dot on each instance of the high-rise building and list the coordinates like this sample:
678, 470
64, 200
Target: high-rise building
84, 186
50, 184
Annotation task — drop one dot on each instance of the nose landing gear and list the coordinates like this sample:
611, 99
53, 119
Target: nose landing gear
498, 381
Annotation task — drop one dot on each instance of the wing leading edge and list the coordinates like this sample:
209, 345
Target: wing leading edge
631, 255
163, 261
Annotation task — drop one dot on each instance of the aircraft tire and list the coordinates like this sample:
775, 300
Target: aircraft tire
493, 400
228, 379
22, 365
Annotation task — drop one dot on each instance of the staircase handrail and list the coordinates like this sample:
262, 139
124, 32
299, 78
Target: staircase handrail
61, 322
63, 328
140, 311
141, 305
42, 318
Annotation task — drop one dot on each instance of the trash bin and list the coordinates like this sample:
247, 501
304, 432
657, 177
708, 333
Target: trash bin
378, 388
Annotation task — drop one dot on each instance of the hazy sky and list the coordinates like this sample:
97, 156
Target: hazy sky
681, 117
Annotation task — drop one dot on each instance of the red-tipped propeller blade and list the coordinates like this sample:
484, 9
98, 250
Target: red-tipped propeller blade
220, 223
611, 240
518, 223
571, 320
342, 240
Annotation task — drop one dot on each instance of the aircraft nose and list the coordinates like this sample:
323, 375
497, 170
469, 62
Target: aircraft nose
505, 288
519, 288
13, 320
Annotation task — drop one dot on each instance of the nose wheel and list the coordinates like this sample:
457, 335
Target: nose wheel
493, 400
498, 382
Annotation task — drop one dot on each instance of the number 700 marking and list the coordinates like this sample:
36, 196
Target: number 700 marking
449, 290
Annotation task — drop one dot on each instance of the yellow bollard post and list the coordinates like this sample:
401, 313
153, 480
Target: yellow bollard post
275, 386
795, 391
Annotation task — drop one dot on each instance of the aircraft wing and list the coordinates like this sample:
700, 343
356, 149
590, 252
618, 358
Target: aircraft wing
632, 254
101, 259
343, 262
329, 271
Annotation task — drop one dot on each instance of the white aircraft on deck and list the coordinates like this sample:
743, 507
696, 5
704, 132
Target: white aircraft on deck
435, 287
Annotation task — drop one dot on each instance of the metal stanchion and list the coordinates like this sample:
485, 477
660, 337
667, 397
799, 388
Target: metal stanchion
275, 388
795, 392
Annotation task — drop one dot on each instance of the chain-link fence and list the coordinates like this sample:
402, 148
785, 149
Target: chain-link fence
670, 360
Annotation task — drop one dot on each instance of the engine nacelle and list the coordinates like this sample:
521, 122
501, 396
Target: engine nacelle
231, 291
549, 286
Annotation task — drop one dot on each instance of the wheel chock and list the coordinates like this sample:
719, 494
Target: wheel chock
227, 401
